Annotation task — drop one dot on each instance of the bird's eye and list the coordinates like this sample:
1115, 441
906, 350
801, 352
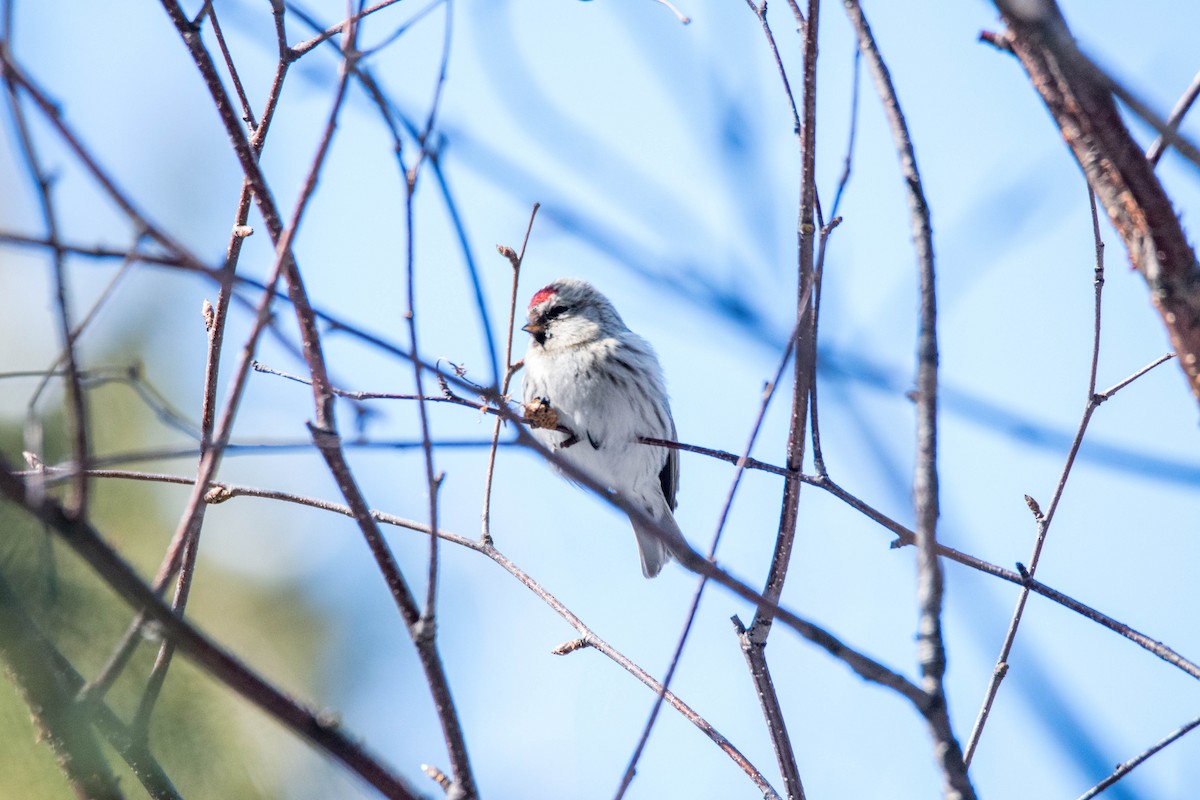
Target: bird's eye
554, 312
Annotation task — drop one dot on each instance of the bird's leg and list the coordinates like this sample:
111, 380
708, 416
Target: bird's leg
540, 414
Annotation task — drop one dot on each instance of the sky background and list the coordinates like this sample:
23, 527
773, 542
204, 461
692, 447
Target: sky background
664, 160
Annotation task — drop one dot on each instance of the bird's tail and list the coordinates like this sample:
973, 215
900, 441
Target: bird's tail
654, 549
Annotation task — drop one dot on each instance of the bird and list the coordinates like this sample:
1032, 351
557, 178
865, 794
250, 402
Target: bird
585, 371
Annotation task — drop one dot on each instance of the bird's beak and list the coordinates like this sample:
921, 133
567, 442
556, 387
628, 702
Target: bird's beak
534, 329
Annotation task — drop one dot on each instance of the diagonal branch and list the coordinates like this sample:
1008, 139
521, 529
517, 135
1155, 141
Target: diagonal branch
61, 722
1081, 101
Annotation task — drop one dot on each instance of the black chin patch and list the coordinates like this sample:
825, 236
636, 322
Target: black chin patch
540, 337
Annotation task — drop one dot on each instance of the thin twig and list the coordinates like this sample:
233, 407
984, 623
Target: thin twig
818, 281
1126, 767
1177, 114
219, 492
930, 643
334, 30
1042, 521
851, 137
784, 745
247, 112
514, 259
76, 398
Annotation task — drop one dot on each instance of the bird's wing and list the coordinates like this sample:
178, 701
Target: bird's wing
669, 476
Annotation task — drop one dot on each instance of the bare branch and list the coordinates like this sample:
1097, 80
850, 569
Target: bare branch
1043, 520
930, 644
510, 369
1177, 114
1126, 767
1081, 101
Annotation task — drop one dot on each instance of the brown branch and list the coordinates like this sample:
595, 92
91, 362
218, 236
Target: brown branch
76, 398
510, 369
1081, 101
184, 546
775, 723
754, 638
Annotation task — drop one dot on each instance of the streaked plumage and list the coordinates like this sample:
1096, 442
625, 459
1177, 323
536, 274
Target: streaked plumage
605, 384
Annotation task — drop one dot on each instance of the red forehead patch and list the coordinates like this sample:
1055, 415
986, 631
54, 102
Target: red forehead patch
542, 294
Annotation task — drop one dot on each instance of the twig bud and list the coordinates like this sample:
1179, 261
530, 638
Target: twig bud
1034, 507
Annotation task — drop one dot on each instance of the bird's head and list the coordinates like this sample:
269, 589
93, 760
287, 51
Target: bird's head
570, 312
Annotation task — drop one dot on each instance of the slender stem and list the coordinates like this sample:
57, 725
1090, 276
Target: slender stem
1126, 767
1177, 114
514, 259
930, 642
779, 734
76, 398
1043, 520
217, 492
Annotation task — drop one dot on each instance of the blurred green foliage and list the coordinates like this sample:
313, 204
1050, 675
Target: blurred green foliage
209, 741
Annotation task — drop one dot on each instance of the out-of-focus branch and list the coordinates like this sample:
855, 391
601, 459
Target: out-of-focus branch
62, 722
53, 666
91, 547
1177, 113
1081, 101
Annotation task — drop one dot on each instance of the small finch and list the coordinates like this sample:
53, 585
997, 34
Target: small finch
603, 382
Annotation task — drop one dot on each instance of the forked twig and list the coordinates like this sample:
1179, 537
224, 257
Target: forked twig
1042, 521
514, 259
